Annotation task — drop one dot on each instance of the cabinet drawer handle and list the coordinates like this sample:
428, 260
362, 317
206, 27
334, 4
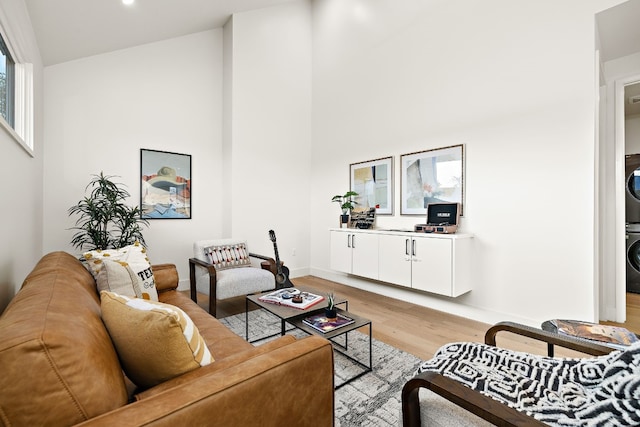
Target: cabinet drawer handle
348, 240
353, 240
406, 247
413, 247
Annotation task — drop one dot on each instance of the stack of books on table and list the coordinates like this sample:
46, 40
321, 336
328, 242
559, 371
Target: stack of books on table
323, 324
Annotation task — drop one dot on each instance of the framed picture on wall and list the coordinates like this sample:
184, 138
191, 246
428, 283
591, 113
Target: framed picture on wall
165, 185
432, 176
373, 181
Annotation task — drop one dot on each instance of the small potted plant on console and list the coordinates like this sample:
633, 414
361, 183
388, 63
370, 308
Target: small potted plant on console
346, 205
330, 311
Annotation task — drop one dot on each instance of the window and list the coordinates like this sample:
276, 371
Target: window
16, 92
7, 84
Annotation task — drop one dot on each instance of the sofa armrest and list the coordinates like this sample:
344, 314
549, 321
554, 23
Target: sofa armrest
461, 395
165, 276
577, 344
289, 385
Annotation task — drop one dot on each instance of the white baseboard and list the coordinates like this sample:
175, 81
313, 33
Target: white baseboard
436, 302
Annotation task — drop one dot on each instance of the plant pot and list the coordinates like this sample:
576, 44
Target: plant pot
330, 313
344, 221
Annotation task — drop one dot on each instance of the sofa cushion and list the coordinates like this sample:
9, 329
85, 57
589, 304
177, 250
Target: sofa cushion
125, 271
222, 341
155, 341
51, 340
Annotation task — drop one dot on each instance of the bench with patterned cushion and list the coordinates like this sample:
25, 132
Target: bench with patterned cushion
604, 390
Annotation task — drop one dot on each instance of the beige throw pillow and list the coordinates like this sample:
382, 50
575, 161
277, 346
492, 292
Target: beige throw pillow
154, 341
125, 271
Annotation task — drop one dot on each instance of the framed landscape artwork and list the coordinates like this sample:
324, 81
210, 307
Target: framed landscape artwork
373, 181
165, 185
432, 176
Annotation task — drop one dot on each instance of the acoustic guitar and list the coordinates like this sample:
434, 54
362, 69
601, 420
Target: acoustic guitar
282, 275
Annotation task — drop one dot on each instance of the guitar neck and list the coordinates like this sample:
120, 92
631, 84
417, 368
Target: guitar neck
275, 249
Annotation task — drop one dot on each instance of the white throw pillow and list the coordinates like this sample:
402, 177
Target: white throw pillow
125, 271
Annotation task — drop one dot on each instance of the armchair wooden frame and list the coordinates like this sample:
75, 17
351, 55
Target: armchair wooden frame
475, 402
194, 262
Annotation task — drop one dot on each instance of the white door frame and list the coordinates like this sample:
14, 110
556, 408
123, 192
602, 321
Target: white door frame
620, 185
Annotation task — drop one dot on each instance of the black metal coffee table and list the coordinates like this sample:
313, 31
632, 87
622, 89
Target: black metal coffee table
283, 312
295, 317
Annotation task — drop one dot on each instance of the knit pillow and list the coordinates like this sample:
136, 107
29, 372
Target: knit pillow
228, 256
125, 271
154, 341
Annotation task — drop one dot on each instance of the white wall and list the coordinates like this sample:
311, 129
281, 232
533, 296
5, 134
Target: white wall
101, 110
269, 137
249, 169
515, 83
21, 220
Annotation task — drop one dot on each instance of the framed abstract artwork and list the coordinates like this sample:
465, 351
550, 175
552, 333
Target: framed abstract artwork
373, 181
432, 176
165, 185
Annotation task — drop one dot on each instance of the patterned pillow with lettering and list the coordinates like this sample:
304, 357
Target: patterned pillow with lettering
228, 256
125, 271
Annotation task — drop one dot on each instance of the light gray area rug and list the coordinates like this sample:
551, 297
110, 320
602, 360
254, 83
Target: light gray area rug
371, 400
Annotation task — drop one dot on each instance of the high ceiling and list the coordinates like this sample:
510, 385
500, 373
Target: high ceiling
72, 29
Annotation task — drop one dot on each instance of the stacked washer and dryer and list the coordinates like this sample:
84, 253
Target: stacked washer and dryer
632, 209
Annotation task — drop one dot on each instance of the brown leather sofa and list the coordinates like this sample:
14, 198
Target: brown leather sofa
58, 365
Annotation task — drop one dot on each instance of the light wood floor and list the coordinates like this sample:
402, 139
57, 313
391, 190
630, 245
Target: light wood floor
416, 329
633, 314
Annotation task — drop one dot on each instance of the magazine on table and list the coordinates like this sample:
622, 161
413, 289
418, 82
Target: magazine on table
292, 297
615, 336
323, 324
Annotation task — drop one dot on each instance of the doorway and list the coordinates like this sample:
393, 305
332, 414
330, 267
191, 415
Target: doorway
619, 68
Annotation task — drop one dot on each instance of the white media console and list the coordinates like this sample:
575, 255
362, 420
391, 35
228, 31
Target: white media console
437, 263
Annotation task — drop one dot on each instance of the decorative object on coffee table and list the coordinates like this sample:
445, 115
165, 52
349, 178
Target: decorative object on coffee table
330, 311
347, 203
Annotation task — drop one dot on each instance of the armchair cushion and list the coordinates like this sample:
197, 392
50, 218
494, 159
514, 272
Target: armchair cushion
243, 281
231, 282
556, 391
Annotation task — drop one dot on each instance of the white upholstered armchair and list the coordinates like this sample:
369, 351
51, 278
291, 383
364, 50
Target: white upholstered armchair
222, 269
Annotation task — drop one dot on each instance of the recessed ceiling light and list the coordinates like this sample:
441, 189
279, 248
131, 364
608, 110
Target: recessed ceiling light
127, 2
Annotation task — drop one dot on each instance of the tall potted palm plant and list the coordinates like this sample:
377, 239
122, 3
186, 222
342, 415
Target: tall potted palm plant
104, 220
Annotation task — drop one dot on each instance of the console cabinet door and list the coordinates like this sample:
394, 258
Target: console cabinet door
365, 255
432, 265
341, 251
394, 260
